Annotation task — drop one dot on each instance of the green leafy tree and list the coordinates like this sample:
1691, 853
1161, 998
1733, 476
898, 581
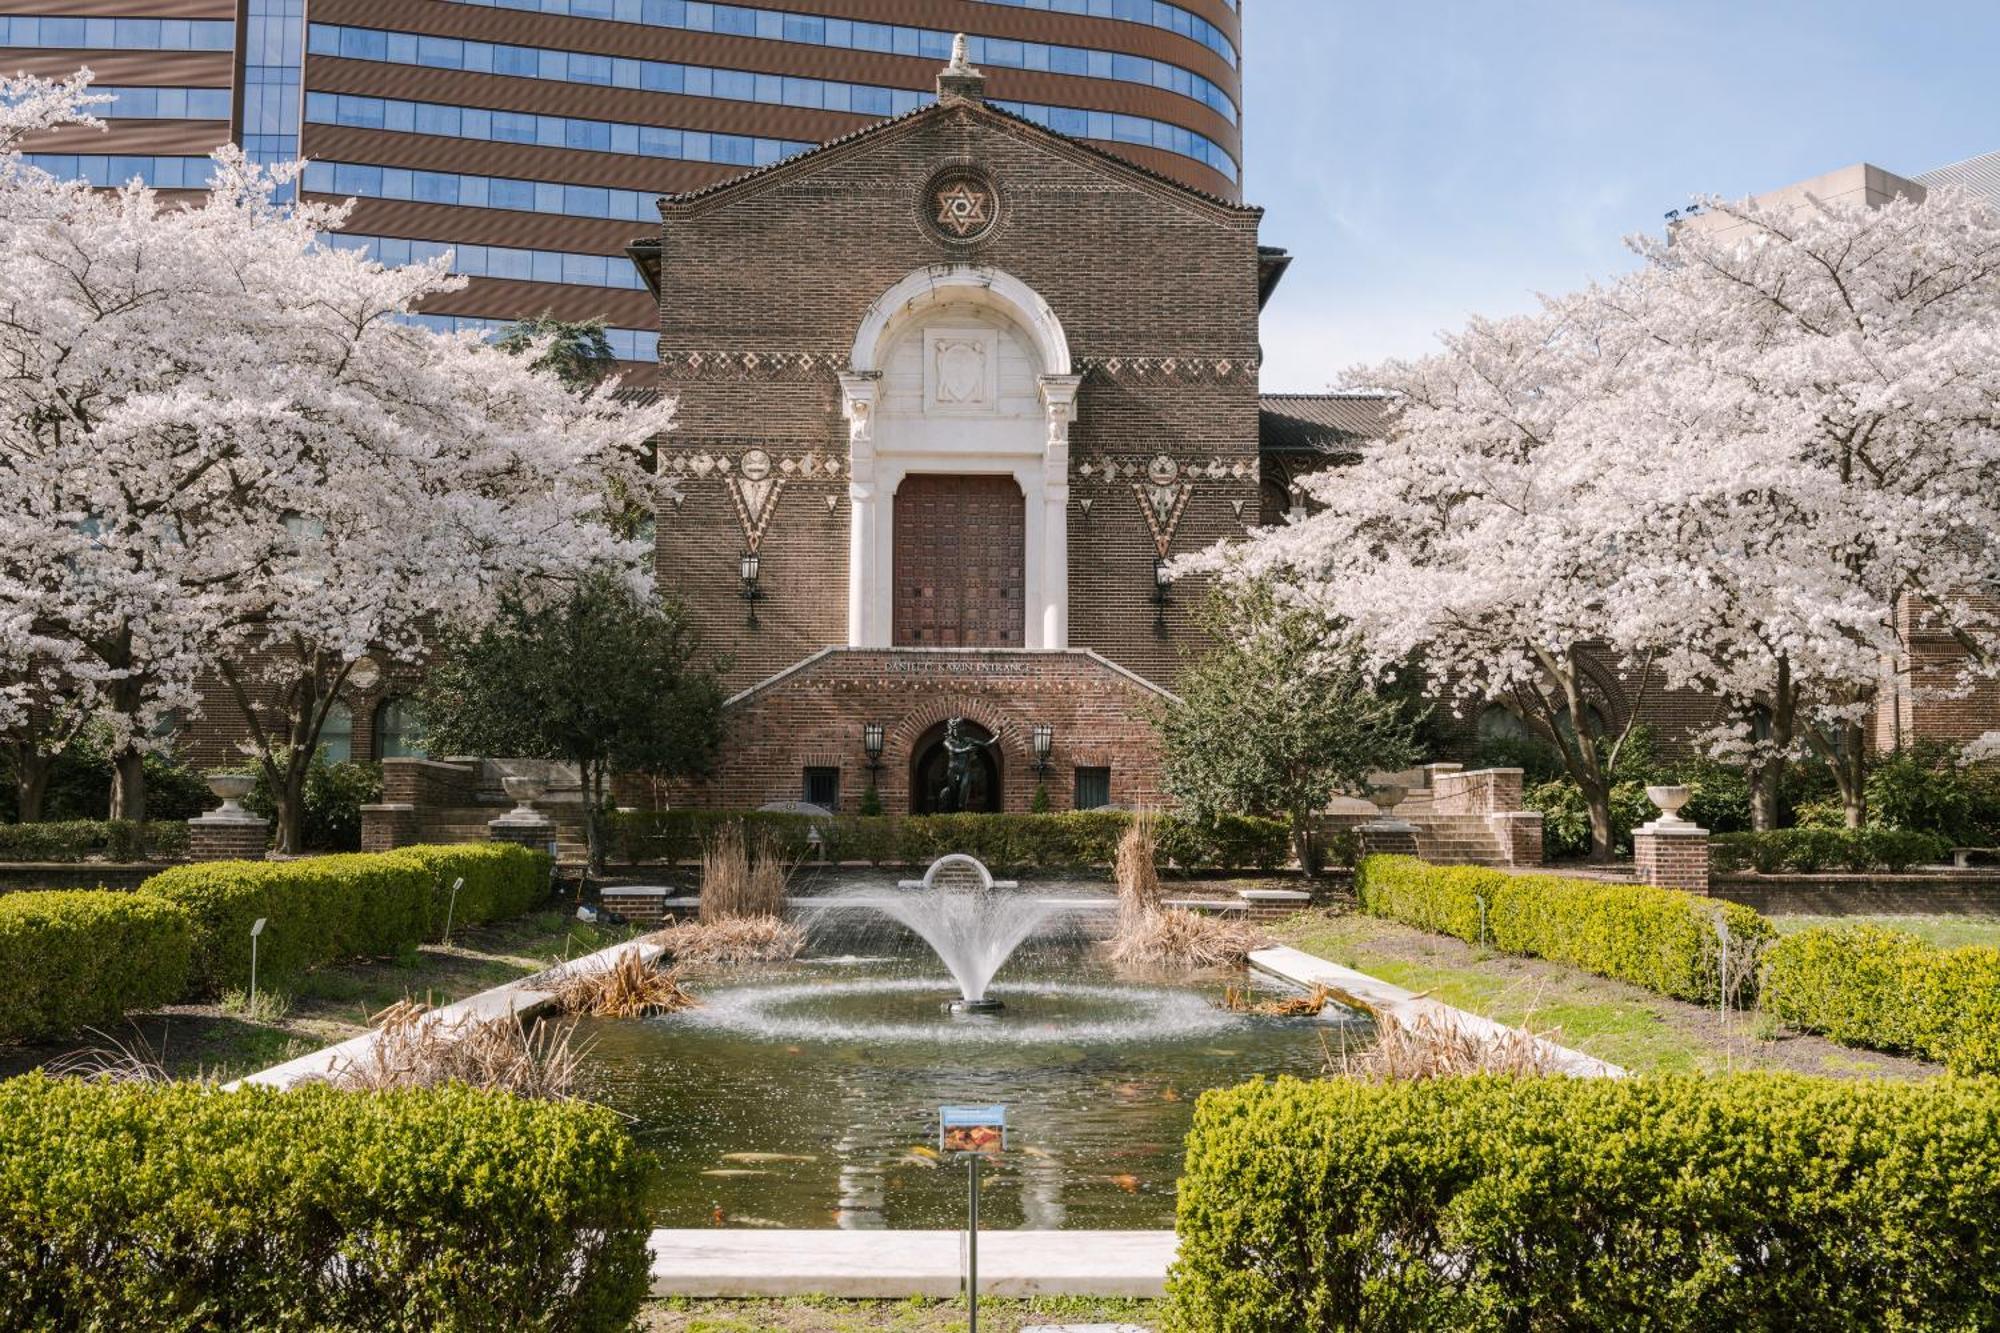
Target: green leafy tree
1277, 717
577, 352
592, 674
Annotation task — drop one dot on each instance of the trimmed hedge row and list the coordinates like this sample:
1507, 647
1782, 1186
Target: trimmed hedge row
323, 908
82, 958
1005, 842
1807, 850
1661, 939
183, 1207
81, 839
1675, 1202
1891, 991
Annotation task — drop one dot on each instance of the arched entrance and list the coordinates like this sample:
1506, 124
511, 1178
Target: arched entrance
931, 778
959, 371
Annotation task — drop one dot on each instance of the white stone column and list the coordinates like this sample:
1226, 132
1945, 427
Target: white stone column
1059, 401
858, 394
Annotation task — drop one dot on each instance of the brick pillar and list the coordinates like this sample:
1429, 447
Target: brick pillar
529, 829
388, 826
1672, 854
228, 835
1520, 835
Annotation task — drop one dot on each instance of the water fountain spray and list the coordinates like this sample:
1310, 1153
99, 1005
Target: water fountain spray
971, 922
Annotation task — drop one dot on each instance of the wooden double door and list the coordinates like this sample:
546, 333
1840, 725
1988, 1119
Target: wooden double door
960, 563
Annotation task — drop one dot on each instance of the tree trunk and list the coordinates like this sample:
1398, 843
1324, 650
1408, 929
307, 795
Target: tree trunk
31, 782
593, 815
1764, 780
1303, 846
289, 794
1597, 799
128, 785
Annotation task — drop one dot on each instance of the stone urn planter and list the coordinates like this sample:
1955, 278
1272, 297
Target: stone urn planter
1387, 796
232, 788
523, 792
1670, 800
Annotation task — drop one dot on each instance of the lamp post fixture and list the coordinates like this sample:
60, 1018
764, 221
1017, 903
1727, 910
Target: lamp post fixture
1045, 743
1163, 582
747, 570
871, 744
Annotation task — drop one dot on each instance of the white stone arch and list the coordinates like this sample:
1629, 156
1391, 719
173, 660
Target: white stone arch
942, 283
1036, 455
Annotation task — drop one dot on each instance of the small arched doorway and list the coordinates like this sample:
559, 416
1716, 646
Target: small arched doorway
932, 790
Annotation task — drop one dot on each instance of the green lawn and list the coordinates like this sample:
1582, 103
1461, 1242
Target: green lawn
1945, 931
1632, 1028
817, 1314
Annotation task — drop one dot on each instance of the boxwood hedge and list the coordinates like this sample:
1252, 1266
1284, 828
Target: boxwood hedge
81, 839
323, 908
1686, 1203
73, 959
1067, 841
184, 1207
1661, 939
1888, 990
1807, 850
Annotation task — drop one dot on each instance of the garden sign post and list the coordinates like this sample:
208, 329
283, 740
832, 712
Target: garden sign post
256, 929
972, 1132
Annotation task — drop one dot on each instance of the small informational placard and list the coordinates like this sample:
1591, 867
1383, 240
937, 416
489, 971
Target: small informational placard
972, 1129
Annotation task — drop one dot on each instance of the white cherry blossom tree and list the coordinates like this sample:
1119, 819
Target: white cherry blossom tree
222, 448
1749, 467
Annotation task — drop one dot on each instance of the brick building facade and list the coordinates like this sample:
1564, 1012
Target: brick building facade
958, 384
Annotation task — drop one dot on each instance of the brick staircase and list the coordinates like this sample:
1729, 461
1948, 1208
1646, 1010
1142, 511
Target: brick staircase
1455, 840
467, 823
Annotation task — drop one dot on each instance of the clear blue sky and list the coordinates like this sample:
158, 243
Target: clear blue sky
1426, 160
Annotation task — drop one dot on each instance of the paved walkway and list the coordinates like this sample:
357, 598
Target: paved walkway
894, 1264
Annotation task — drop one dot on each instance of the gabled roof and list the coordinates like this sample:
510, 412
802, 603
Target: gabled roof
1319, 423
690, 200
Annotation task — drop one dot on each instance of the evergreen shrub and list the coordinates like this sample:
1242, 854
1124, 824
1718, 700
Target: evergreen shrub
1662, 939
325, 908
1866, 985
1810, 850
182, 1206
84, 839
1064, 841
79, 958
1748, 1201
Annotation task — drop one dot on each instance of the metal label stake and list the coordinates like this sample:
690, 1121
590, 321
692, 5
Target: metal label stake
972, 1132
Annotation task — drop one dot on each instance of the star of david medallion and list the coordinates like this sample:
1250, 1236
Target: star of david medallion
961, 205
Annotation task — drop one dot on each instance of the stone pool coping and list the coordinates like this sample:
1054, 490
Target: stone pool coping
1359, 990
726, 1262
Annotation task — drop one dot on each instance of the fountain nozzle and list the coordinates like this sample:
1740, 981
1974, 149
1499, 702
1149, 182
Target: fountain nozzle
965, 1006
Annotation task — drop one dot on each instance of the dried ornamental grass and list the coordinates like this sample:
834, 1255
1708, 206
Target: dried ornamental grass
1236, 999
1177, 937
629, 988
1137, 872
415, 1047
738, 881
1434, 1046
743, 939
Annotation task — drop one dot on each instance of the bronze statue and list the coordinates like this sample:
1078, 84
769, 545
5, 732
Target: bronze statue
959, 749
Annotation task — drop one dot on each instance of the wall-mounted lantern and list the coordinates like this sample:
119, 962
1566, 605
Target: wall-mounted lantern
871, 744
747, 570
1045, 744
1163, 583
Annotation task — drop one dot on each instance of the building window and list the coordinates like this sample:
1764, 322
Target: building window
1093, 788
399, 732
336, 735
823, 788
